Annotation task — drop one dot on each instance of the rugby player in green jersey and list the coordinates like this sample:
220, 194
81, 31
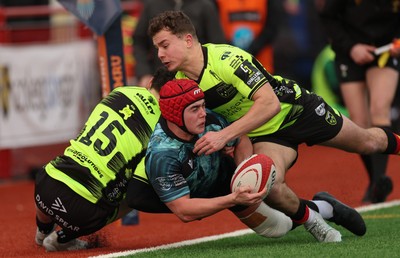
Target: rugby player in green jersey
82, 190
276, 113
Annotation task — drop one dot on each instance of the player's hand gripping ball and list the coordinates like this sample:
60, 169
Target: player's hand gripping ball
258, 171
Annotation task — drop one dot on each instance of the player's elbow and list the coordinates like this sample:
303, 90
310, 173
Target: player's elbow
186, 218
276, 108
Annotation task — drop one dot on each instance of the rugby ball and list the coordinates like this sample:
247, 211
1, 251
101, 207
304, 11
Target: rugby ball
258, 171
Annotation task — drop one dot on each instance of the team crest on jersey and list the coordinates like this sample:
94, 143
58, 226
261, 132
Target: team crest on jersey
127, 111
226, 91
330, 118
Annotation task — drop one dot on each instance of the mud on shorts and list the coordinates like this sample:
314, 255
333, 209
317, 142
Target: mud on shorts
318, 123
73, 213
348, 71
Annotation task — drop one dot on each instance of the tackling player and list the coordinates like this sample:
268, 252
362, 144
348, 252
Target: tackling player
276, 113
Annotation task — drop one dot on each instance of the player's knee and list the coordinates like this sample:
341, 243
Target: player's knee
266, 221
278, 230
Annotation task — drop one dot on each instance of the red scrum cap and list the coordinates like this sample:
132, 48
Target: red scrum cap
175, 96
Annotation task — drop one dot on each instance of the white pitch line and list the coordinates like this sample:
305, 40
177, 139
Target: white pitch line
226, 235
177, 244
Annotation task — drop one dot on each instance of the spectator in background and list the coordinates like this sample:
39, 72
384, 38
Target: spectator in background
299, 42
204, 15
251, 26
356, 29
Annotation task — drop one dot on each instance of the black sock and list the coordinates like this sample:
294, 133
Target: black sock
366, 159
311, 205
298, 217
393, 142
45, 228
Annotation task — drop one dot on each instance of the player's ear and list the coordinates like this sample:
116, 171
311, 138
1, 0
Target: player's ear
189, 40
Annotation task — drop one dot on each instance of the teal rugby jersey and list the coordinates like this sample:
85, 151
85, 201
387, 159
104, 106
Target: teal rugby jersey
111, 146
175, 171
231, 77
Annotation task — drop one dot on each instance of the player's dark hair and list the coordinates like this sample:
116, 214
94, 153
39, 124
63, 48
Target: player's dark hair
160, 77
177, 22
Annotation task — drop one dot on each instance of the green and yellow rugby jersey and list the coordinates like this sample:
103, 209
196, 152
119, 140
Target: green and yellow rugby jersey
231, 77
111, 147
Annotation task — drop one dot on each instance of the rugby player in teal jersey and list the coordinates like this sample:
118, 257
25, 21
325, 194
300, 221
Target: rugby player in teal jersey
194, 187
276, 113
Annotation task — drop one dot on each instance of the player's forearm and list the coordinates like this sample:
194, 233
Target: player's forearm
198, 208
261, 112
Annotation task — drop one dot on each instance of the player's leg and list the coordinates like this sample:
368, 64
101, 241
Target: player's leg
353, 138
45, 226
285, 200
74, 214
265, 221
382, 85
45, 223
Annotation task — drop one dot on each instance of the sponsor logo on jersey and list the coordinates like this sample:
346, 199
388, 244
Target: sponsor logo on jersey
190, 163
320, 110
237, 61
225, 55
57, 205
46, 209
249, 74
166, 183
65, 224
83, 158
148, 103
234, 108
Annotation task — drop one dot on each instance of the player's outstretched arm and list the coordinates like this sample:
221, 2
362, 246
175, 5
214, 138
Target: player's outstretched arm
190, 209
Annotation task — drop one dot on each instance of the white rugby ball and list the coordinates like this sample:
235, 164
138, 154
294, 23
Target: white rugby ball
258, 171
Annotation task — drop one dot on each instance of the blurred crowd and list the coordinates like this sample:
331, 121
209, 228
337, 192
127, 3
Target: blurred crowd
285, 35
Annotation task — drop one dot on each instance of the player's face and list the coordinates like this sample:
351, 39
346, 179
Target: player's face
194, 116
171, 49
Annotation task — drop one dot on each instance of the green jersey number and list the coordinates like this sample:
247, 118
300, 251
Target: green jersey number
108, 132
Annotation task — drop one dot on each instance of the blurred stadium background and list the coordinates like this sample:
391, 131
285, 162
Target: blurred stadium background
49, 74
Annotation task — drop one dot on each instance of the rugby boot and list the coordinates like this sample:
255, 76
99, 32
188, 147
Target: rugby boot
322, 231
52, 245
343, 215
